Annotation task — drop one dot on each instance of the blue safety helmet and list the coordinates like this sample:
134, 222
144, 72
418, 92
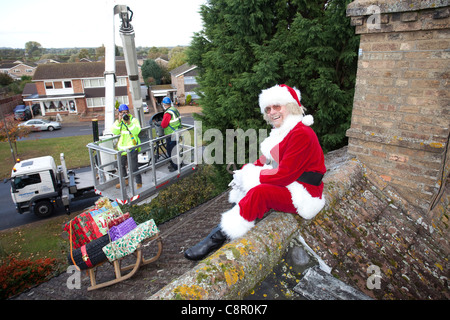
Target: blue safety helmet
167, 100
123, 107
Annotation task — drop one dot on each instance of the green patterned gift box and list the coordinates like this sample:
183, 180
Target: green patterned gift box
129, 242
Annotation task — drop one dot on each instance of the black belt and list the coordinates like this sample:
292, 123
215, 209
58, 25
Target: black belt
310, 177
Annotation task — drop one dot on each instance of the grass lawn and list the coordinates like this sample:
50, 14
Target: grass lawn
74, 149
36, 240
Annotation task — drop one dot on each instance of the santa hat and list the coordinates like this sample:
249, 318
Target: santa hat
281, 95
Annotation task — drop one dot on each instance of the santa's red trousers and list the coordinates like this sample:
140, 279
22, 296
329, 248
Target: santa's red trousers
264, 197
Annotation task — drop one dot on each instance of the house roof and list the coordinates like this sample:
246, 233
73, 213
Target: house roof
29, 89
182, 69
164, 57
163, 87
75, 70
9, 64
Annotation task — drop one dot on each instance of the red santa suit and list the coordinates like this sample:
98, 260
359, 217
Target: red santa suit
271, 182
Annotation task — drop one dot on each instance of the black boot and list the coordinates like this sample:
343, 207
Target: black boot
213, 241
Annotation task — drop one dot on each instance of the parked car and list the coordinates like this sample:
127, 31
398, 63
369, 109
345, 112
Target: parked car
145, 107
22, 112
41, 124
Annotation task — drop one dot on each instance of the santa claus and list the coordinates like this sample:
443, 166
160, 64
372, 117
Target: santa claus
287, 177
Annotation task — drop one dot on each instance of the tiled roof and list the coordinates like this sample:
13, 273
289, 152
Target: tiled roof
30, 88
9, 64
182, 69
75, 70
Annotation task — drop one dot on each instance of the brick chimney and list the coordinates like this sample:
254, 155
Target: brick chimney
401, 112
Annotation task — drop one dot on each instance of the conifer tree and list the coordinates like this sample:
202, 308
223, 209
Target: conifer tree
247, 46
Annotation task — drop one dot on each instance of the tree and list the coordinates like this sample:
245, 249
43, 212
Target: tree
33, 49
246, 46
150, 69
17, 86
177, 58
155, 52
100, 52
5, 79
84, 53
11, 131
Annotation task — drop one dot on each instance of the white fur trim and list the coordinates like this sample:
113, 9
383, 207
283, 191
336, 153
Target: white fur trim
307, 206
233, 224
247, 177
308, 120
236, 195
278, 134
277, 95
250, 176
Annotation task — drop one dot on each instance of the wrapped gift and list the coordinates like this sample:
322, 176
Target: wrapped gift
90, 254
129, 243
115, 221
122, 229
84, 229
103, 215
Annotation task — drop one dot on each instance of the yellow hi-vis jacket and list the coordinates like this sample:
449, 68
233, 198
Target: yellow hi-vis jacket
129, 134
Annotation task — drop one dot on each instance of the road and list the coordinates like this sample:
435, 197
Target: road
9, 217
85, 128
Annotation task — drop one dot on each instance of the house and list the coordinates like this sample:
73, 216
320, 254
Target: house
184, 80
16, 69
45, 61
163, 90
29, 90
163, 61
76, 88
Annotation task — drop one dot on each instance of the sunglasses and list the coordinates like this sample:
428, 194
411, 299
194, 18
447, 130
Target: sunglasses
275, 108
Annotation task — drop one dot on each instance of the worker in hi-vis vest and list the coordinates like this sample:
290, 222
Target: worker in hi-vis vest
128, 128
170, 123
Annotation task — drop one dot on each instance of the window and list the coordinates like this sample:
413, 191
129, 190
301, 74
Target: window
95, 102
100, 82
100, 101
23, 181
49, 85
94, 83
121, 82
67, 84
190, 80
57, 85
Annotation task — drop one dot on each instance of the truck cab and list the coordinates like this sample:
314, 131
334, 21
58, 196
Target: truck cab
34, 182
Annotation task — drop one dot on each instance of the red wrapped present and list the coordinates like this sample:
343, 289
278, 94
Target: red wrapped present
84, 229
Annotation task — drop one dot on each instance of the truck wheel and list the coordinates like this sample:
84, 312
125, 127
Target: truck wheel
43, 209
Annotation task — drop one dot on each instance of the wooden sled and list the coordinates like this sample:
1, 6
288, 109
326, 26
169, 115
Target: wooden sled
134, 267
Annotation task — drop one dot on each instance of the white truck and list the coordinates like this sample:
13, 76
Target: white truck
38, 185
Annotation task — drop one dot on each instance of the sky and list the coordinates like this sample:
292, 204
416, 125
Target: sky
87, 23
